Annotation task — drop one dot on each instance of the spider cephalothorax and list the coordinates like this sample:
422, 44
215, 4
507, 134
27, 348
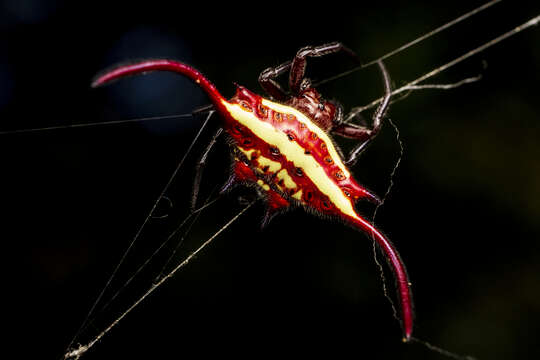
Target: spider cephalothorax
283, 147
322, 112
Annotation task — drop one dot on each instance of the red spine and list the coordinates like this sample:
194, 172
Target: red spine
162, 65
402, 279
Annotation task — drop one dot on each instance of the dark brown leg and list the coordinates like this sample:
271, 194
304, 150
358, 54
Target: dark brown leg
362, 133
270, 85
297, 69
353, 131
200, 168
298, 66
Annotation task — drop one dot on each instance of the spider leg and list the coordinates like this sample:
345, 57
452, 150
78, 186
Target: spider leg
363, 134
270, 85
298, 65
297, 69
200, 168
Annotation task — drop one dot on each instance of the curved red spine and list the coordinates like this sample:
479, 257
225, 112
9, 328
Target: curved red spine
400, 273
145, 66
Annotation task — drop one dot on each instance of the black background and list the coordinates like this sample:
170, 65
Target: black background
464, 211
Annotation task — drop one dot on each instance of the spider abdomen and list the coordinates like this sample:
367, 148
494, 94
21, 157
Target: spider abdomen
290, 155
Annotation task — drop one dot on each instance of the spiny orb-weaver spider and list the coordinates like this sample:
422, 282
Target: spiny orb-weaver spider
283, 148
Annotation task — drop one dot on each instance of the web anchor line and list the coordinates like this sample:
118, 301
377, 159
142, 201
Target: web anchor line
138, 233
413, 42
83, 125
383, 201
78, 352
413, 85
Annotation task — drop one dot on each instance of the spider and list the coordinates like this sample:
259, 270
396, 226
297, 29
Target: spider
282, 147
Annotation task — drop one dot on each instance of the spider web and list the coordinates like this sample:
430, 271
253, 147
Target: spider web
402, 92
190, 220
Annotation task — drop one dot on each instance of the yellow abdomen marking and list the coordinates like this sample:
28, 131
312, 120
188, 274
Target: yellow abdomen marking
292, 151
297, 195
313, 128
287, 179
273, 166
263, 185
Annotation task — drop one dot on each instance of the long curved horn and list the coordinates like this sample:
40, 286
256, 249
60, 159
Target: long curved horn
145, 66
403, 283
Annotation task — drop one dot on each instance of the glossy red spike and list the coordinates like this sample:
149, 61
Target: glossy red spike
400, 272
146, 66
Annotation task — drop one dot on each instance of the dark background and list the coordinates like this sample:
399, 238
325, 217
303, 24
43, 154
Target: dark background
464, 211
